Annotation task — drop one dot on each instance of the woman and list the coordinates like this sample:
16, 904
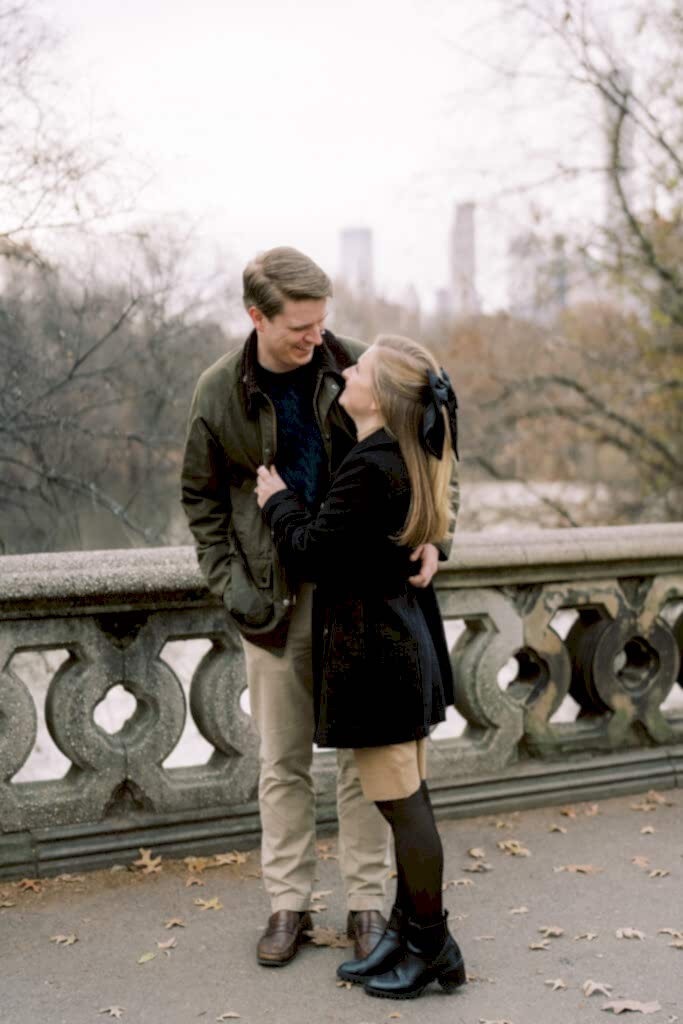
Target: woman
382, 671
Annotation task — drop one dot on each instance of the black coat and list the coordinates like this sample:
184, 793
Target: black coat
381, 666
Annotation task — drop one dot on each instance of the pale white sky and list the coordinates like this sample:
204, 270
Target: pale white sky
272, 124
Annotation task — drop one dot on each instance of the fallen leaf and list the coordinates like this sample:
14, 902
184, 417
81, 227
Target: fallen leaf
212, 904
620, 1005
505, 824
477, 853
557, 983
658, 873
644, 805
592, 810
483, 1021
513, 847
70, 878
647, 830
479, 868
654, 797
30, 884
230, 1015
557, 828
344, 984
519, 910
328, 937
196, 864
147, 863
175, 922
146, 957
64, 940
169, 944
395, 1016
540, 945
569, 812
551, 931
256, 873
589, 936
113, 1011
455, 882
589, 988
579, 869
193, 881
7, 903
629, 933
677, 943
670, 931
641, 862
484, 938
472, 976
234, 857
322, 894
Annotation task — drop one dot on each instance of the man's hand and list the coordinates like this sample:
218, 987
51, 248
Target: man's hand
428, 554
268, 482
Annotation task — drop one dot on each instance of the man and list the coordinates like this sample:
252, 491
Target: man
274, 401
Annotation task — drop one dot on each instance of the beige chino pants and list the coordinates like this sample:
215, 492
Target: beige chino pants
281, 697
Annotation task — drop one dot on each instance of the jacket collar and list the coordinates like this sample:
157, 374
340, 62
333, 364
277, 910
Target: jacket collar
331, 358
380, 438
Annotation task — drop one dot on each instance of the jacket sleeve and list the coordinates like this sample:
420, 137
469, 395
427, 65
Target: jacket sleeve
332, 539
206, 500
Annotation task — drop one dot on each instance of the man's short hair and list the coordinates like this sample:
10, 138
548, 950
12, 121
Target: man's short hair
279, 274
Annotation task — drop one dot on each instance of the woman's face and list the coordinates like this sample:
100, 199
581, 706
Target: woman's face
358, 396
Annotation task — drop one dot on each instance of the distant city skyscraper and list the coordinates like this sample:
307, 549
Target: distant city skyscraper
463, 261
356, 269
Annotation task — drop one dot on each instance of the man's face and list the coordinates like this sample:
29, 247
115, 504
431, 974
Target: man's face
289, 340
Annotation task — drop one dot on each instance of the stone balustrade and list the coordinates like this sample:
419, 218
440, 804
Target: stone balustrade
593, 616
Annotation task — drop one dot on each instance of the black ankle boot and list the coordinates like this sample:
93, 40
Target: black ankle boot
431, 954
386, 953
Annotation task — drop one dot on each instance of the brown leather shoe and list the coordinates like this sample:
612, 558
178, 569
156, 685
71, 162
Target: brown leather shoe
283, 936
366, 928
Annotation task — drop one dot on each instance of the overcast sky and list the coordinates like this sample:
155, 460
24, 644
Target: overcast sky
269, 124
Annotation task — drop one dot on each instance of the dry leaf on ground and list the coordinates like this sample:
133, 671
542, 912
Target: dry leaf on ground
557, 828
654, 797
579, 869
455, 882
592, 810
212, 904
170, 944
328, 937
230, 1015
551, 931
234, 857
644, 805
196, 864
7, 903
30, 885
70, 878
175, 922
557, 983
477, 852
113, 1011
484, 938
647, 830
677, 943
591, 988
569, 812
193, 881
64, 940
505, 824
629, 933
344, 984
641, 862
480, 867
620, 1005
147, 863
673, 932
659, 873
519, 910
513, 847
540, 945
589, 936
146, 957
482, 1020
395, 1016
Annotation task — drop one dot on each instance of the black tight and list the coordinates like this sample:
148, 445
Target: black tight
419, 855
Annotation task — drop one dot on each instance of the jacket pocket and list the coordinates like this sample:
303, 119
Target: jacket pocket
249, 595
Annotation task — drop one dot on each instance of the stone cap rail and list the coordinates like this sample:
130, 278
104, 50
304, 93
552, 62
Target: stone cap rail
75, 582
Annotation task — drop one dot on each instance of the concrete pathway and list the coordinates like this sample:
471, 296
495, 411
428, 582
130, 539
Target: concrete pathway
630, 851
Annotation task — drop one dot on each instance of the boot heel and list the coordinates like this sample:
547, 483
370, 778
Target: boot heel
453, 978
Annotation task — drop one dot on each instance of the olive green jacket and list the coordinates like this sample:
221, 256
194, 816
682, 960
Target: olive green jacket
231, 432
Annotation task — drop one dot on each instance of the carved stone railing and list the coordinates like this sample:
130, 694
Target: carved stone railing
594, 614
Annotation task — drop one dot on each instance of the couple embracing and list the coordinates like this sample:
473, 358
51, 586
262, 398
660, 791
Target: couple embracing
319, 485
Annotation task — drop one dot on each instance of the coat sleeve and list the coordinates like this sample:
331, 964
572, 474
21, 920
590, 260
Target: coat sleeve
206, 500
335, 537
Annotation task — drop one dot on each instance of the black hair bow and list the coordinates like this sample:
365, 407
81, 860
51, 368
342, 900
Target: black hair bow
438, 393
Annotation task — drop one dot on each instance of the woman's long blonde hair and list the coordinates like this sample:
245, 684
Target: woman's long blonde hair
400, 374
